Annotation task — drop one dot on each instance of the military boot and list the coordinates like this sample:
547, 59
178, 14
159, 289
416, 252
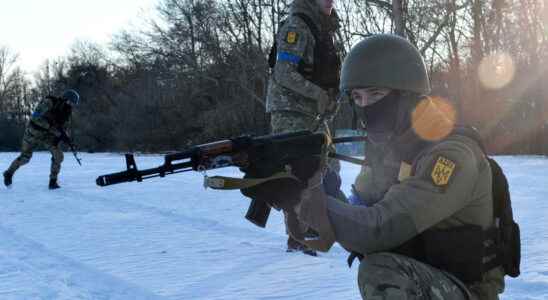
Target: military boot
8, 176
294, 246
53, 184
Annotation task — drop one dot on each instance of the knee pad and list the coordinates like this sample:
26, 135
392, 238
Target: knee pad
375, 263
380, 276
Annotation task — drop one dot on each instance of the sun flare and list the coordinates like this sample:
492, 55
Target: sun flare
496, 71
434, 118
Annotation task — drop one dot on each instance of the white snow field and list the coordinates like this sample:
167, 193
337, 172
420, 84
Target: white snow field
171, 239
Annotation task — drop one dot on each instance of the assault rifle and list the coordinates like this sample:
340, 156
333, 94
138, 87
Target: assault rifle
280, 150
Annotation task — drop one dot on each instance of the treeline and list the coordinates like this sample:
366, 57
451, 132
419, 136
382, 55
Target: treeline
198, 71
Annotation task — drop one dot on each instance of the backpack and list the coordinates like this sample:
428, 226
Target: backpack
506, 234
59, 113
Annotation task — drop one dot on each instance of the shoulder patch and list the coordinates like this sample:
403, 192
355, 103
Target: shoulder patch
442, 172
291, 37
405, 171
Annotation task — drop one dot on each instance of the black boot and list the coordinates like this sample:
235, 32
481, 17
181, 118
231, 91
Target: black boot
8, 178
53, 184
294, 246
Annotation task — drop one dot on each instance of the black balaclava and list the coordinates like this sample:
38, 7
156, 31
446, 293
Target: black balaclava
388, 123
380, 119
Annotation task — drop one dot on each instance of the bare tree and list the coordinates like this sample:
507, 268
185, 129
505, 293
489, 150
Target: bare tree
199, 71
398, 14
15, 102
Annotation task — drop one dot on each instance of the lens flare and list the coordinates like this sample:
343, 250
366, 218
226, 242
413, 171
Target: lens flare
545, 19
434, 118
496, 71
544, 6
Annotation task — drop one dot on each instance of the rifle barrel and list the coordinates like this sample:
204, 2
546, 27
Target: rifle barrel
138, 175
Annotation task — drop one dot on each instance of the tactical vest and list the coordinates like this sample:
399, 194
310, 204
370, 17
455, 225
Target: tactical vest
325, 70
468, 251
59, 113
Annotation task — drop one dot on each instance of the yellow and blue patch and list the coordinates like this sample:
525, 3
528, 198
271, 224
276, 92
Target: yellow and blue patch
442, 172
291, 37
286, 56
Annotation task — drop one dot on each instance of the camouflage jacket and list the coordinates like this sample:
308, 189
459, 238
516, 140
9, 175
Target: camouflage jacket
50, 115
447, 184
288, 89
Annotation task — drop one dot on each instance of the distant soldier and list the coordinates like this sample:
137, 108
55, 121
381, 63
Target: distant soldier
46, 129
306, 71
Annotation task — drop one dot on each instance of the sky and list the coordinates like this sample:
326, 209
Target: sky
40, 29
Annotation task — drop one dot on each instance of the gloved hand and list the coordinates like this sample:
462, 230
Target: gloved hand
355, 198
312, 211
283, 193
61, 135
56, 132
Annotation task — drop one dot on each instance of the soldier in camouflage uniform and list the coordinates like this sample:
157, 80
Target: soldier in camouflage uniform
427, 201
305, 76
45, 129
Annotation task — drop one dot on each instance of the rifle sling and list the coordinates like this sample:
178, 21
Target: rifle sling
350, 159
231, 183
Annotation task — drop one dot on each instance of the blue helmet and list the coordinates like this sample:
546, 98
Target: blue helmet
71, 96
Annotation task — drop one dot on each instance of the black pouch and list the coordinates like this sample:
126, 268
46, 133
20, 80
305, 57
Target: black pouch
511, 249
458, 250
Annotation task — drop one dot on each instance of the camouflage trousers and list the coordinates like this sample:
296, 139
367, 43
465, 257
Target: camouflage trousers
393, 276
290, 121
34, 139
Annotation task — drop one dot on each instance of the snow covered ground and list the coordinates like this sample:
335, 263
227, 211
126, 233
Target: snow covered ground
171, 239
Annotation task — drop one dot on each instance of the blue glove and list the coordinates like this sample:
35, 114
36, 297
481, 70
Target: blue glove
355, 198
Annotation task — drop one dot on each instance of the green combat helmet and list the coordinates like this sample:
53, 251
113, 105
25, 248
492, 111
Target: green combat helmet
386, 61
71, 96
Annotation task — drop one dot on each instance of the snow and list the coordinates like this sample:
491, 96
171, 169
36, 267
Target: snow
171, 239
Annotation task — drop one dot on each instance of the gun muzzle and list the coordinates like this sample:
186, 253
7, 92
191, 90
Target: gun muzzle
115, 178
